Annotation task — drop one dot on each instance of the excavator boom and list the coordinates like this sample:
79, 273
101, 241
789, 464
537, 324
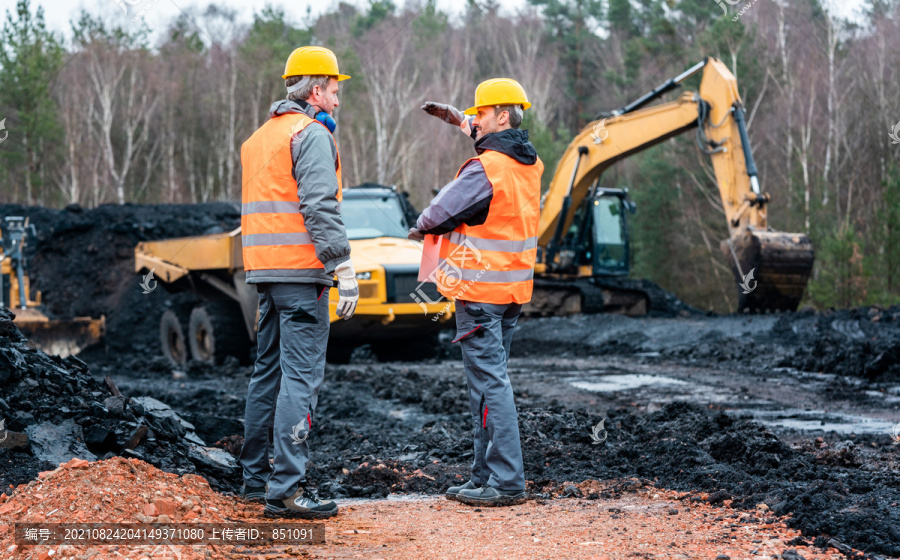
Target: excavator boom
772, 267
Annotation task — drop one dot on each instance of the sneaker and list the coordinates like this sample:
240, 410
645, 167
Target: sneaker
453, 491
254, 493
303, 504
490, 496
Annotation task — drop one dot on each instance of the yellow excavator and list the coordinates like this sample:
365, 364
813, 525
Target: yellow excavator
63, 337
583, 243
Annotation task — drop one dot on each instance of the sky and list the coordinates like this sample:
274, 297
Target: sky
58, 13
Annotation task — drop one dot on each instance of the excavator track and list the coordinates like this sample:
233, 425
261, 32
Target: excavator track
625, 296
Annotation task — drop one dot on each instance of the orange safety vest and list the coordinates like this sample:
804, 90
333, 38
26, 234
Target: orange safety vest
273, 234
494, 262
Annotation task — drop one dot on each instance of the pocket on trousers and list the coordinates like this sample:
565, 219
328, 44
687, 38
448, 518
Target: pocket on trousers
473, 308
475, 331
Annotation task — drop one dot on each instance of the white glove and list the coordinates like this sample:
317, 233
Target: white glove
348, 289
415, 234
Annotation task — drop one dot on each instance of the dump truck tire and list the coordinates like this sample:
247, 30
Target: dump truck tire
216, 331
337, 353
172, 339
410, 350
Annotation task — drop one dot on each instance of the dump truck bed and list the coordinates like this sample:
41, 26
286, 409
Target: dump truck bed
173, 259
394, 308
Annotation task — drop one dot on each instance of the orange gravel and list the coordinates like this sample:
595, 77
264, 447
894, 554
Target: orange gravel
646, 523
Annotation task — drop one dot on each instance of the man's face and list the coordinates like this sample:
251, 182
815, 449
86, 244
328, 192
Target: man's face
487, 121
326, 99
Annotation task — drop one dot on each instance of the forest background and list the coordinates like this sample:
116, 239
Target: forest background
121, 113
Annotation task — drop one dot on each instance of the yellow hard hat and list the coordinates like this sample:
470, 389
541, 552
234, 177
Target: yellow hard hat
313, 61
498, 91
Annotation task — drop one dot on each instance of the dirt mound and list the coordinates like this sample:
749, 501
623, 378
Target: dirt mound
83, 261
65, 413
119, 490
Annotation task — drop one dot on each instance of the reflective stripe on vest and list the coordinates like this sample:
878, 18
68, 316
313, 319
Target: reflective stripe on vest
502, 245
494, 262
273, 234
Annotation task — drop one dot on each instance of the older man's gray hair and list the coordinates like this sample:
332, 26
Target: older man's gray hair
301, 87
515, 114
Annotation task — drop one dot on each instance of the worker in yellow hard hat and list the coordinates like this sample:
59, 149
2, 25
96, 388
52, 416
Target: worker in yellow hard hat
489, 218
294, 243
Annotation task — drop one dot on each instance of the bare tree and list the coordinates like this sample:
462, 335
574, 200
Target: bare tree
391, 83
124, 97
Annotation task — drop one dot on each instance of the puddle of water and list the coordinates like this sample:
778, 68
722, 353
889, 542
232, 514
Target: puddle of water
610, 383
393, 498
818, 421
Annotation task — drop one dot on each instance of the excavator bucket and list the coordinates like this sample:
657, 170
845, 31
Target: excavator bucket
771, 268
63, 337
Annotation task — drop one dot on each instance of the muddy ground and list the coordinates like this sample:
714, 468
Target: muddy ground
791, 410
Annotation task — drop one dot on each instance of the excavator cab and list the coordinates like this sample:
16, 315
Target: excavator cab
597, 243
587, 271
611, 253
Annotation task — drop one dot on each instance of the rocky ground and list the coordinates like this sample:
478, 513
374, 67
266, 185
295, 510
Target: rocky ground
780, 417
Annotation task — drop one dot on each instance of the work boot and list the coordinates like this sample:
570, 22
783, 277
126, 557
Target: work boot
254, 493
491, 497
453, 491
303, 504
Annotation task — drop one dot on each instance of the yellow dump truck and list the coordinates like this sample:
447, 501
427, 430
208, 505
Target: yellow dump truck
398, 316
64, 337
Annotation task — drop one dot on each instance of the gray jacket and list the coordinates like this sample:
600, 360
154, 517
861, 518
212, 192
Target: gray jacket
467, 199
314, 155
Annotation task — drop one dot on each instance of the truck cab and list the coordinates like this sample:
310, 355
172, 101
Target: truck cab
396, 312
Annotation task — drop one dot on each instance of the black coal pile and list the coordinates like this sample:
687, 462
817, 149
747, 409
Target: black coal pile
82, 260
861, 342
64, 412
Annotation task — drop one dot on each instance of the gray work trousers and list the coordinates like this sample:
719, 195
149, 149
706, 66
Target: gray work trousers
290, 365
485, 331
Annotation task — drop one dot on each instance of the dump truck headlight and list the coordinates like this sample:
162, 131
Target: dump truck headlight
363, 275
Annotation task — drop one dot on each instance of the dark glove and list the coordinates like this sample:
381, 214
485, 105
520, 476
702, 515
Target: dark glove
415, 235
447, 113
